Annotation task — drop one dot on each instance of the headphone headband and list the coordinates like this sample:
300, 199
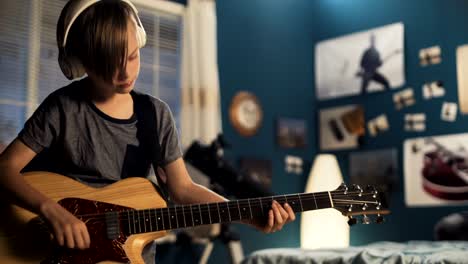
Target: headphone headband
77, 7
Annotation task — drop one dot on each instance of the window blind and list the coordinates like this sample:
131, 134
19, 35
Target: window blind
14, 32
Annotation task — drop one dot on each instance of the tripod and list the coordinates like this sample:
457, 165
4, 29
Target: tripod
230, 239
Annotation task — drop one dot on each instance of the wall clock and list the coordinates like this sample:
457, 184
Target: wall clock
245, 113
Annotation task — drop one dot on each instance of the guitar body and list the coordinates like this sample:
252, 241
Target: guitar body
24, 238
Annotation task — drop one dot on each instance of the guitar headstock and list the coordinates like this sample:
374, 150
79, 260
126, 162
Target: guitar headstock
357, 201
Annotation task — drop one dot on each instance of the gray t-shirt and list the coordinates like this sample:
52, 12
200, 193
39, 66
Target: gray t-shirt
74, 138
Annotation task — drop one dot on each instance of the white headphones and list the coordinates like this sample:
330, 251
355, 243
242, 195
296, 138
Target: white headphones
70, 65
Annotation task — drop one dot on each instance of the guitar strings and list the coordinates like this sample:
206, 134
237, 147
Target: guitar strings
140, 222
252, 202
203, 208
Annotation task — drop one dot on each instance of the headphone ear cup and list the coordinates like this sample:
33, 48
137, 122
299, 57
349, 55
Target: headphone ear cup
141, 37
70, 66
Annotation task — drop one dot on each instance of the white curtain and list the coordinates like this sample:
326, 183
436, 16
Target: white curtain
200, 111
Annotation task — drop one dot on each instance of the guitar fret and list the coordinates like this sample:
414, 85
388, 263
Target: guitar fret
162, 218
238, 208
209, 212
229, 211
188, 210
156, 219
175, 214
219, 213
151, 224
173, 218
183, 212
144, 220
169, 217
201, 218
261, 206
315, 201
129, 224
191, 213
138, 220
134, 222
250, 209
300, 201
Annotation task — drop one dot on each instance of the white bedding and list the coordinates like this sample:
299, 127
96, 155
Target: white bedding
426, 252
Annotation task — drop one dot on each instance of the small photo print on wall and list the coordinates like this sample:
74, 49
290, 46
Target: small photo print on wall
257, 170
404, 98
433, 90
291, 133
436, 170
415, 122
341, 127
377, 168
430, 56
378, 125
362, 62
449, 112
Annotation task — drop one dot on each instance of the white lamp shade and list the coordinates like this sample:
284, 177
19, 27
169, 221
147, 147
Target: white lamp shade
324, 228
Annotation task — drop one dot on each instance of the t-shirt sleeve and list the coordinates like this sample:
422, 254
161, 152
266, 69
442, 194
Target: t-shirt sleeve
168, 136
42, 128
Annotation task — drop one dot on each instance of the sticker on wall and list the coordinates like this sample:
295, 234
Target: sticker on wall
433, 90
462, 78
430, 56
291, 133
368, 61
378, 125
449, 112
436, 170
341, 127
378, 168
415, 122
258, 170
404, 98
293, 164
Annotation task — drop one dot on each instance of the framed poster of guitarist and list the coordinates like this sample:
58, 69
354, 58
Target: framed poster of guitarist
359, 63
104, 136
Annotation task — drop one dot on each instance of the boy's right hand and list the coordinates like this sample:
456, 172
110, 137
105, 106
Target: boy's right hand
68, 230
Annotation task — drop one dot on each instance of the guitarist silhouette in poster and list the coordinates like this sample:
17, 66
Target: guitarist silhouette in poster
370, 62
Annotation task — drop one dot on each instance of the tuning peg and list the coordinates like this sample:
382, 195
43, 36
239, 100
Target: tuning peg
351, 221
358, 188
380, 219
344, 187
364, 207
366, 220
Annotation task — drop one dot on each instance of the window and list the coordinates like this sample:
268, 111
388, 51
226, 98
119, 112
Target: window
29, 69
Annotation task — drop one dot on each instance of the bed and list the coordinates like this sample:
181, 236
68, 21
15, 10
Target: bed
379, 252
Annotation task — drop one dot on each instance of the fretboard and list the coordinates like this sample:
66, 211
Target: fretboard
181, 216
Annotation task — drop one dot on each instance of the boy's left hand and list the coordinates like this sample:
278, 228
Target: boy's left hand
278, 216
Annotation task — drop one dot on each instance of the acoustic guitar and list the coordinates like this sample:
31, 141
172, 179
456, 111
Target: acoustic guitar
125, 216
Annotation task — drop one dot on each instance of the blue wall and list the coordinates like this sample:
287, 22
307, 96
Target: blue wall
266, 47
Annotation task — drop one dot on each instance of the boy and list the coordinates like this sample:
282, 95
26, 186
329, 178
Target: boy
91, 129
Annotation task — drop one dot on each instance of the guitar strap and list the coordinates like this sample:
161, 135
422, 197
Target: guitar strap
147, 132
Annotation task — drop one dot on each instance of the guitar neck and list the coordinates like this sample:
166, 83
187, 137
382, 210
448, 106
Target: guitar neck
181, 216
